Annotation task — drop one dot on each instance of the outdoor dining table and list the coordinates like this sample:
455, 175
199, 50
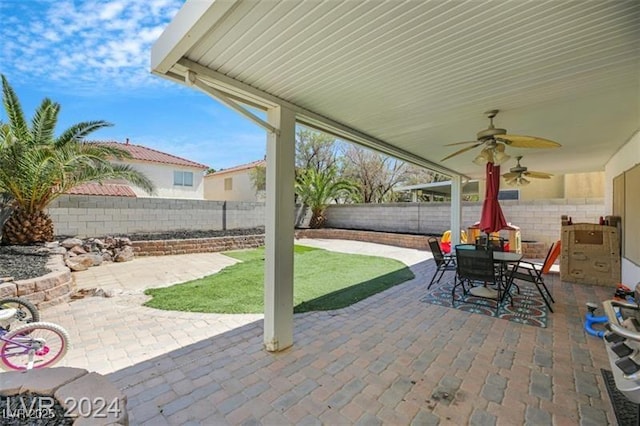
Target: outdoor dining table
502, 259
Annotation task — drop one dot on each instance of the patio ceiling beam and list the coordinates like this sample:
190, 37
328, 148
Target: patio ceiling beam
191, 78
238, 90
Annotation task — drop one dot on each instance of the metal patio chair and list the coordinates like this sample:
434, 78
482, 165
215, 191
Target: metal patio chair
443, 261
533, 272
476, 273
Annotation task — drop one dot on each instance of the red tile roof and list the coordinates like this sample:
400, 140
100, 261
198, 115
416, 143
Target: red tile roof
142, 153
110, 189
241, 167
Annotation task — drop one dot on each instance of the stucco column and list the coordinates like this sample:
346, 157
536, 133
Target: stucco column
456, 209
279, 236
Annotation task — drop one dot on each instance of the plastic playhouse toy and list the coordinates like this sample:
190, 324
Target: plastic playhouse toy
445, 241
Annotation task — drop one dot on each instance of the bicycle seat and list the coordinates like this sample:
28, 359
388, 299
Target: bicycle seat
6, 314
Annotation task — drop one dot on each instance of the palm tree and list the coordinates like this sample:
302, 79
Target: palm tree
317, 188
36, 167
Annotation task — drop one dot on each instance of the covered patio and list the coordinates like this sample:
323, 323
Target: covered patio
407, 78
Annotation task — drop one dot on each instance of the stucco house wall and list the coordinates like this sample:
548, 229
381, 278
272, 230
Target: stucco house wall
570, 185
162, 177
241, 189
627, 157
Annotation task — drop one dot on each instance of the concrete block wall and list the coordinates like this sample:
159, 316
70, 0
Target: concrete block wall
244, 214
539, 220
91, 216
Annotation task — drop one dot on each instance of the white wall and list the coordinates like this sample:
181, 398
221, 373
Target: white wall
242, 187
162, 177
627, 157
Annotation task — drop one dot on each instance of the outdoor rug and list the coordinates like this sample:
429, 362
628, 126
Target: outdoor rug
527, 307
626, 411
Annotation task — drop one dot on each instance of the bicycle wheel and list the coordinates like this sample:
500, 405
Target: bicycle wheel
48, 342
26, 312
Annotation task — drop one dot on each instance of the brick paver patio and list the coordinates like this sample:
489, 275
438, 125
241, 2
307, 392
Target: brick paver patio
390, 359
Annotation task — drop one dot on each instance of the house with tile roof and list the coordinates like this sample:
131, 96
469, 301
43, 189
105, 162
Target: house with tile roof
233, 184
173, 176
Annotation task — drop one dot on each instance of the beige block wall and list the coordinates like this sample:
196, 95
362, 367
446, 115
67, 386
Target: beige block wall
571, 185
584, 185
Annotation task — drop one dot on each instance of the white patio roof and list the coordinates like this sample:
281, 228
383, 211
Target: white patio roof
471, 187
410, 77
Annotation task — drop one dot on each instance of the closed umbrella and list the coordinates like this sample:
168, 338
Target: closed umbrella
492, 219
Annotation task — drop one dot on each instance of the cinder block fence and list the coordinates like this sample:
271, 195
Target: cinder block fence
92, 216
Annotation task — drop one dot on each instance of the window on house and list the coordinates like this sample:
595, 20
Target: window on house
182, 178
509, 194
228, 184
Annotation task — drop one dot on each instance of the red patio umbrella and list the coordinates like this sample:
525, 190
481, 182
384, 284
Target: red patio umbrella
492, 219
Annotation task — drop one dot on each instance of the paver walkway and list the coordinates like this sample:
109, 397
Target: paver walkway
389, 359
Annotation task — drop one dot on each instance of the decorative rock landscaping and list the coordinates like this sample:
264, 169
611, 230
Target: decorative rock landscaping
46, 290
82, 254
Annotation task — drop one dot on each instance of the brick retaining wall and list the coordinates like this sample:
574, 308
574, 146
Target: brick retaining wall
196, 245
399, 240
48, 290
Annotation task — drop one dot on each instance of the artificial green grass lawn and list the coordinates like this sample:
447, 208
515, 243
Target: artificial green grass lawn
323, 280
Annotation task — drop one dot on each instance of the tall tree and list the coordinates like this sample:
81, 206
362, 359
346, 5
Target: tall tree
258, 176
374, 174
314, 150
36, 167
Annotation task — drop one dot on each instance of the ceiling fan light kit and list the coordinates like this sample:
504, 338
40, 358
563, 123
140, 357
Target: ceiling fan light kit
496, 139
517, 175
519, 181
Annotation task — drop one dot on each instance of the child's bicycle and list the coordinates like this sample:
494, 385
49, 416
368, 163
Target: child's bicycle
26, 312
26, 343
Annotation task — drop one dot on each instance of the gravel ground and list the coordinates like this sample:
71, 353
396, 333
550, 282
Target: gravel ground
22, 262
186, 234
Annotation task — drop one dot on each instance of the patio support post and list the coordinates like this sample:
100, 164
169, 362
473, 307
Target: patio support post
279, 231
456, 209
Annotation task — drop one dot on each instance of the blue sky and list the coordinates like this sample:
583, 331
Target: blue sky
92, 57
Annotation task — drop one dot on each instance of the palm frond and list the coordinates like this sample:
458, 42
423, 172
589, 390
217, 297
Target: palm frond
78, 132
17, 122
44, 121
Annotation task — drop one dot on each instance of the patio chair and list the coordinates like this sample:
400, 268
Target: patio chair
533, 272
476, 268
444, 262
493, 243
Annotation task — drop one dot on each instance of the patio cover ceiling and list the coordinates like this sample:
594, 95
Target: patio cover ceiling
410, 77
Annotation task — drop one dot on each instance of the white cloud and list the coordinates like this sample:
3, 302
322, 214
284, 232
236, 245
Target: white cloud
84, 42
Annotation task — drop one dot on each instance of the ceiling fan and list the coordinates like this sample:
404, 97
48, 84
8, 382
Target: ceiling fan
496, 140
517, 175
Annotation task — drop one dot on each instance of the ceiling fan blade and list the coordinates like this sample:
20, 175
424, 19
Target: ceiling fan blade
510, 175
460, 143
462, 150
520, 141
538, 175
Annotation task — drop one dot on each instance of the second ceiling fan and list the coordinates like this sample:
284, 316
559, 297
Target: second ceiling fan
496, 139
518, 175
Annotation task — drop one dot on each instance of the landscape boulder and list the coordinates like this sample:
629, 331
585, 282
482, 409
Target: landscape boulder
71, 242
81, 254
124, 254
